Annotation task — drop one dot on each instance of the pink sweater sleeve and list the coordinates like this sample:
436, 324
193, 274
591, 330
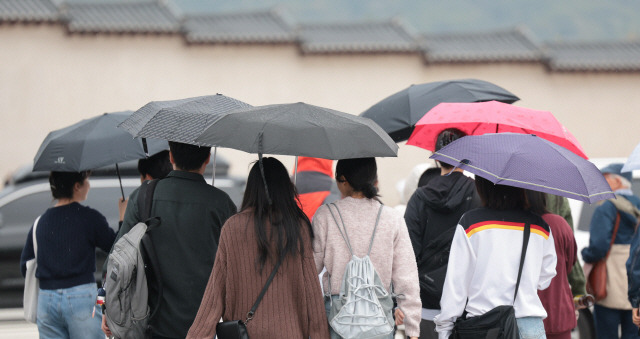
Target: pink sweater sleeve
212, 305
405, 280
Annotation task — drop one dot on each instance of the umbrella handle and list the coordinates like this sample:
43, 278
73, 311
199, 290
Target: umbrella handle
120, 180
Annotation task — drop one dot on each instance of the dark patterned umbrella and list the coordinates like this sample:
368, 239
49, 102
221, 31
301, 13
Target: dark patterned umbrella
179, 120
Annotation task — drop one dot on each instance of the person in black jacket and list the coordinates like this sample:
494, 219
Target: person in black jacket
431, 216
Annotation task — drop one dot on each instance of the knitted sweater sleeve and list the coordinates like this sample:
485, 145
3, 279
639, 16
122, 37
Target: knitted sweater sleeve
212, 304
319, 226
405, 279
318, 327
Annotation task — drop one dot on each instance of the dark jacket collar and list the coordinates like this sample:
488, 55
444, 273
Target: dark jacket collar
186, 175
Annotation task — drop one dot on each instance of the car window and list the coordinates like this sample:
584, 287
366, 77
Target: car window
588, 209
17, 217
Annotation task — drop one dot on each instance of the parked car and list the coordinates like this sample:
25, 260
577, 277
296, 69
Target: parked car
27, 195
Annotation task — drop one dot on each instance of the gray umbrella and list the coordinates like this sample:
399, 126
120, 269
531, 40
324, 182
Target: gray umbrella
299, 129
92, 143
179, 120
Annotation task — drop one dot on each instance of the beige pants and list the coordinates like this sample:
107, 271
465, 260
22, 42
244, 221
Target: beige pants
617, 279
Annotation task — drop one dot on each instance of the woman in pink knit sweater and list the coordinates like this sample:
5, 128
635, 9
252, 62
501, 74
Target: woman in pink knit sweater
391, 253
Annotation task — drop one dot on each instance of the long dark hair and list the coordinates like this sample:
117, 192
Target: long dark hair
360, 173
500, 197
283, 213
537, 202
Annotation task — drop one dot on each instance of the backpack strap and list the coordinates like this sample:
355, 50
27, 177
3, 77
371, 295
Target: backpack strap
525, 243
152, 264
344, 235
374, 229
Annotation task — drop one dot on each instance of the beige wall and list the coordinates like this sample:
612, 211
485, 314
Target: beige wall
49, 79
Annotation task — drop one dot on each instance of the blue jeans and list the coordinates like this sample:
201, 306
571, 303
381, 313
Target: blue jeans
531, 328
607, 321
66, 313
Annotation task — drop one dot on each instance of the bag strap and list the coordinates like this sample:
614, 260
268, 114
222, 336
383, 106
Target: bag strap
345, 236
35, 242
145, 203
145, 198
615, 232
525, 243
264, 290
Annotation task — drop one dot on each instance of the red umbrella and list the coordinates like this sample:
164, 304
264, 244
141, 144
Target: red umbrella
478, 118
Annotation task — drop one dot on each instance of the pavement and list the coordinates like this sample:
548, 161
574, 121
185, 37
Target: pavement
13, 325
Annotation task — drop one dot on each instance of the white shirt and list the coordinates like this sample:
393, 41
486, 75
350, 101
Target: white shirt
483, 268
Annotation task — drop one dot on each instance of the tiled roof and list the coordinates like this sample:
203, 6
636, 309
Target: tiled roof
497, 46
247, 27
120, 17
28, 11
381, 37
595, 57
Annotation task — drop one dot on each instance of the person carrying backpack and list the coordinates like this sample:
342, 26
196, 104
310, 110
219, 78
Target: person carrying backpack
191, 214
349, 231
432, 215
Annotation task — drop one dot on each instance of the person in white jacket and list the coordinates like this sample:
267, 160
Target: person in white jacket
485, 257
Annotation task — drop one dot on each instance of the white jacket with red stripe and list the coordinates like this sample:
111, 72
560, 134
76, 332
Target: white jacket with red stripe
484, 261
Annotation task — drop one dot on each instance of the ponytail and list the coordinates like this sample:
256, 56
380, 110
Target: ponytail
361, 174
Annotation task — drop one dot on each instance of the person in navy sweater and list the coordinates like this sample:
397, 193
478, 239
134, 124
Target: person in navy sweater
67, 235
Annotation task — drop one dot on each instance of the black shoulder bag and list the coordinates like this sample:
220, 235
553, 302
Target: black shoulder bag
498, 323
237, 329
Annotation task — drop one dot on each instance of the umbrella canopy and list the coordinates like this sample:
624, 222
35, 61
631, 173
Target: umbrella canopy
397, 114
179, 120
491, 117
633, 163
527, 161
299, 129
90, 144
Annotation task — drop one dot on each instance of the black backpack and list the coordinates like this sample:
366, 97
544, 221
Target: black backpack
432, 264
432, 268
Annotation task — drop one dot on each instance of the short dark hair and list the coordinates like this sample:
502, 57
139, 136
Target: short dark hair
189, 157
62, 183
360, 173
156, 166
446, 137
500, 197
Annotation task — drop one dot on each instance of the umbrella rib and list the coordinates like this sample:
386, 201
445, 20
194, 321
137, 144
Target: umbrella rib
523, 182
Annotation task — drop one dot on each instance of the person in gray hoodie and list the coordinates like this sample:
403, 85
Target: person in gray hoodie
431, 217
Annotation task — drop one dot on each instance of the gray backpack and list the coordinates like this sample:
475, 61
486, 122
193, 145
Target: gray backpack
133, 258
364, 307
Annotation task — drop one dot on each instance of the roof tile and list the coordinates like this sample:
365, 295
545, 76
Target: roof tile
593, 56
121, 17
246, 27
381, 37
28, 11
495, 46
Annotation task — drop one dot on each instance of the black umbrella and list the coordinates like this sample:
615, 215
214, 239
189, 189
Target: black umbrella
398, 113
91, 143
